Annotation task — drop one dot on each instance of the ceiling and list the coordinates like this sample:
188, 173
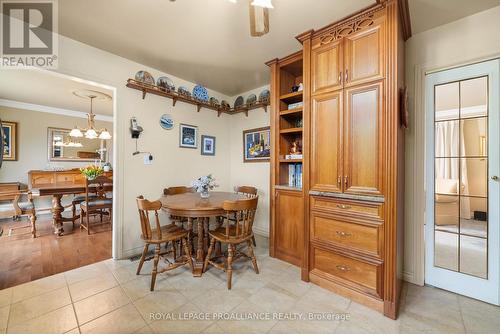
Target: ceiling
428, 14
47, 89
204, 41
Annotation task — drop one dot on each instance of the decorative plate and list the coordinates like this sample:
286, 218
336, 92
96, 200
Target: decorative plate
145, 77
183, 91
200, 93
225, 105
166, 122
264, 96
239, 102
251, 100
214, 102
165, 83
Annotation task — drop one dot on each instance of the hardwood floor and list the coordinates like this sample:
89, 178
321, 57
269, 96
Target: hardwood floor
23, 259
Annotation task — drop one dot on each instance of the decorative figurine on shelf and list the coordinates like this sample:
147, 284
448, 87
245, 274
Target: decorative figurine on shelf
299, 123
296, 147
297, 88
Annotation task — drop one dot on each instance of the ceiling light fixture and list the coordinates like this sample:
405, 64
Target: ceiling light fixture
90, 131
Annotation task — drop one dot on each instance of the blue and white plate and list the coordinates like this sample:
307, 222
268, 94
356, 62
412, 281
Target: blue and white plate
251, 100
145, 77
239, 102
165, 83
200, 93
183, 91
166, 122
264, 96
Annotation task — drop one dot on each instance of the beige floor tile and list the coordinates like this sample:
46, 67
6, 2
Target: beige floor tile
85, 273
247, 326
39, 305
272, 298
479, 317
5, 296
323, 300
55, 322
192, 287
213, 329
303, 327
365, 320
121, 321
139, 287
97, 305
113, 264
38, 287
414, 324
73, 331
92, 286
218, 299
126, 273
144, 330
4, 316
184, 323
159, 302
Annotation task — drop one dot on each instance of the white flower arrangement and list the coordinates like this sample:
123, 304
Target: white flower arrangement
204, 184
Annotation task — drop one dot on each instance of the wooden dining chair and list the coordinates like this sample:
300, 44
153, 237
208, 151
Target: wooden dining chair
160, 235
11, 206
235, 232
250, 192
96, 201
178, 190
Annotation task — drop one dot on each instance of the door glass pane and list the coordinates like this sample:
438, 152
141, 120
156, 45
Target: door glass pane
461, 177
447, 100
473, 256
446, 250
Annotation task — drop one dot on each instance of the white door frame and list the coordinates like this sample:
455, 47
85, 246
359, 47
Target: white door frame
487, 290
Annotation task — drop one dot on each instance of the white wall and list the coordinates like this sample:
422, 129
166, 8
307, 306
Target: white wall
254, 174
471, 39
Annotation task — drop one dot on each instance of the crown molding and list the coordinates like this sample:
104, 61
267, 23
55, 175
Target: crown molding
51, 110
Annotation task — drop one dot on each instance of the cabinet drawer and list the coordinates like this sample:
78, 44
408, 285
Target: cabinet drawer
358, 274
360, 209
364, 238
65, 178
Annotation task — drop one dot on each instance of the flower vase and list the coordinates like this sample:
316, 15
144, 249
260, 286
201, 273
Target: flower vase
204, 194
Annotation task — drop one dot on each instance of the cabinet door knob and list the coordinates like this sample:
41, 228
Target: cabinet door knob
343, 234
340, 77
343, 268
494, 178
343, 206
346, 76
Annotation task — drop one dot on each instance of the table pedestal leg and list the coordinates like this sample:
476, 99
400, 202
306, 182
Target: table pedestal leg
200, 254
57, 210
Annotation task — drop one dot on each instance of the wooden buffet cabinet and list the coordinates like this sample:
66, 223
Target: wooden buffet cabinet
344, 226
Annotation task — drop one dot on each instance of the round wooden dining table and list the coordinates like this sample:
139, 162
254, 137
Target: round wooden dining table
195, 208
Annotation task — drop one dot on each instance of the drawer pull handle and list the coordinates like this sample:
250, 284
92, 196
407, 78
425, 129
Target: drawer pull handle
343, 268
343, 206
343, 234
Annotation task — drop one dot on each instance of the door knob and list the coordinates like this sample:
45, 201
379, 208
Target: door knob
495, 178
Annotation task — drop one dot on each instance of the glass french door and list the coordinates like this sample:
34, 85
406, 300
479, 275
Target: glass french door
462, 232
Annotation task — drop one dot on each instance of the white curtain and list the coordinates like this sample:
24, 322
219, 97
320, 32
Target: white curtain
449, 142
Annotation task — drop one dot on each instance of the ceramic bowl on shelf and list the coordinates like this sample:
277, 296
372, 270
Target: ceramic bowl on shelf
225, 105
264, 96
239, 102
251, 100
214, 102
165, 83
145, 77
183, 91
200, 93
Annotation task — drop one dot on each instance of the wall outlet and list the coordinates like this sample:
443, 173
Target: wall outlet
148, 159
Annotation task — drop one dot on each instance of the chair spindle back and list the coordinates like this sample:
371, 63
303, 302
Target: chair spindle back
240, 215
146, 207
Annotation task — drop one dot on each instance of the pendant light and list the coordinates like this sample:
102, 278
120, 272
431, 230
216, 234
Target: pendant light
263, 3
90, 132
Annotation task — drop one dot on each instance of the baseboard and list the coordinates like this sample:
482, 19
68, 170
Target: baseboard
126, 254
260, 231
410, 278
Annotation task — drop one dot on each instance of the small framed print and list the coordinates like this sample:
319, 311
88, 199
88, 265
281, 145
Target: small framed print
188, 136
9, 138
207, 145
257, 145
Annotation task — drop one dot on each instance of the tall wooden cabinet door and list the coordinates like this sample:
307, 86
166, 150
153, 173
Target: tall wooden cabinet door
289, 228
364, 56
326, 67
326, 142
363, 136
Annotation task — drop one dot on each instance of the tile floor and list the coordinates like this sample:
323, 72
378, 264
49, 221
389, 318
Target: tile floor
107, 297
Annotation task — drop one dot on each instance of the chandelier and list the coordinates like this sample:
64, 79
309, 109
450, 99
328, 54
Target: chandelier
59, 142
90, 132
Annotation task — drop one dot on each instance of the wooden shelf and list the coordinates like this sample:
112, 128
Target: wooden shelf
291, 111
286, 187
283, 160
292, 97
291, 130
175, 96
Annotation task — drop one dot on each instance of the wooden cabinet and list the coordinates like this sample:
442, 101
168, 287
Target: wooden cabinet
38, 178
326, 142
327, 67
289, 228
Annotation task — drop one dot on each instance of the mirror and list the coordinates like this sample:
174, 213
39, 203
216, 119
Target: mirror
62, 147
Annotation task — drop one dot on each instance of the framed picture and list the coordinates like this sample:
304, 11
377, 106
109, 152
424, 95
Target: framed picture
9, 141
207, 145
188, 136
257, 145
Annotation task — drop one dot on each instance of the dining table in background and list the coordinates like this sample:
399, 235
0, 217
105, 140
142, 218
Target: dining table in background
193, 207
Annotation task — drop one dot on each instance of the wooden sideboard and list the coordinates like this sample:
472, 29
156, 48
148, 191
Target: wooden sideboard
9, 187
344, 226
38, 178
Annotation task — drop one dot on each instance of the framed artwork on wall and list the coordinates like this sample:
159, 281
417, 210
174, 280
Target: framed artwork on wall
257, 145
188, 136
9, 139
207, 145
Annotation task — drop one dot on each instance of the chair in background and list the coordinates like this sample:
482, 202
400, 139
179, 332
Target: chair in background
250, 192
234, 232
160, 235
178, 190
13, 208
77, 200
98, 204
